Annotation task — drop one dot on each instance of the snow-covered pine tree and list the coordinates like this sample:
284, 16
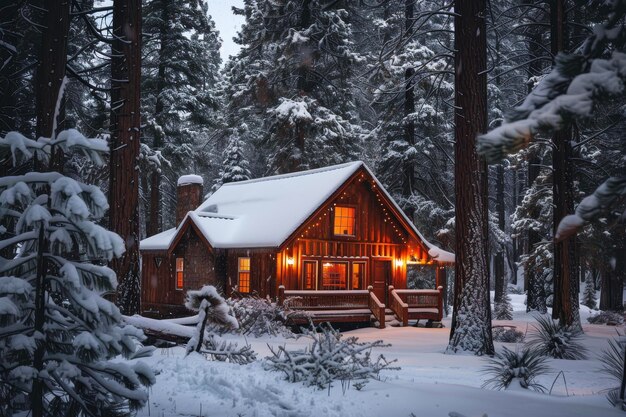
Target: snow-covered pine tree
180, 76
235, 166
577, 86
295, 66
58, 332
589, 294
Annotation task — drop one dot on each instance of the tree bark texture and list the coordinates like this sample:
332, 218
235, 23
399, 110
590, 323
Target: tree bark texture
51, 71
565, 278
125, 136
471, 321
498, 263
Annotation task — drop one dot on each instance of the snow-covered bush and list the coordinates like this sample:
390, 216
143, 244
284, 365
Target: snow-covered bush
329, 358
607, 317
504, 334
57, 332
516, 367
613, 365
213, 309
556, 341
503, 310
257, 317
589, 294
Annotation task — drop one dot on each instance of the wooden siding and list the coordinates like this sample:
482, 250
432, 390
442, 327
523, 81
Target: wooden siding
381, 234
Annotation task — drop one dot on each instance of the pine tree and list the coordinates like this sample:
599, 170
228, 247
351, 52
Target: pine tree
58, 332
291, 83
179, 95
235, 164
589, 295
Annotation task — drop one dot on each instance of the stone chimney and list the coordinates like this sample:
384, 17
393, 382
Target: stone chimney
188, 195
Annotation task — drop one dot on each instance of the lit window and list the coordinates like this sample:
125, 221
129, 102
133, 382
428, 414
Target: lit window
344, 223
180, 270
334, 276
358, 273
309, 275
244, 275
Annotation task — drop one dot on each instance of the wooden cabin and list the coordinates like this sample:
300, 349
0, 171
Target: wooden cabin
333, 237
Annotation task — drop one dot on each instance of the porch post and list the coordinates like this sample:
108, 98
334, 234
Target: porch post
441, 281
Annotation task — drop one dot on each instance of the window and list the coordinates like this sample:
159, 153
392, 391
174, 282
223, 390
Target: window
180, 270
344, 223
309, 275
358, 275
244, 275
335, 276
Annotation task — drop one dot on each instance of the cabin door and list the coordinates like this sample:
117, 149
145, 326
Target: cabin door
382, 279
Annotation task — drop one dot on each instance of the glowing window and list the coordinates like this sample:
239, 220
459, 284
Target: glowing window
345, 220
244, 275
309, 275
335, 276
180, 271
358, 275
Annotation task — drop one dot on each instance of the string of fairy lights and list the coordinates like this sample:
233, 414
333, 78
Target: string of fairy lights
388, 218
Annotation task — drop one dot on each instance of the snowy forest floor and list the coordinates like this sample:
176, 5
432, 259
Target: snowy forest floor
429, 383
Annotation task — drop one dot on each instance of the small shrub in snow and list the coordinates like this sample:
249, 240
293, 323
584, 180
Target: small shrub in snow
559, 342
212, 309
329, 358
613, 365
503, 310
257, 317
607, 317
513, 289
589, 294
507, 334
516, 367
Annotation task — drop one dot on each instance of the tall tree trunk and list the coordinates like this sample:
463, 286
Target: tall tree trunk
471, 321
125, 136
565, 278
534, 281
409, 107
613, 278
499, 271
51, 71
50, 74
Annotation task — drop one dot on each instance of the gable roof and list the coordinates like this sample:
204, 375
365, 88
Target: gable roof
265, 212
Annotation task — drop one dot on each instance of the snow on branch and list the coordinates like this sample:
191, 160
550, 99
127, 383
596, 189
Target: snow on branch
591, 206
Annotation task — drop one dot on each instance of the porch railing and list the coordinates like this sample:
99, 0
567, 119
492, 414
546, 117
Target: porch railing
399, 307
420, 304
377, 308
312, 300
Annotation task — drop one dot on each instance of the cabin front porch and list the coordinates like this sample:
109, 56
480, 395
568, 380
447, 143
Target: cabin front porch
363, 306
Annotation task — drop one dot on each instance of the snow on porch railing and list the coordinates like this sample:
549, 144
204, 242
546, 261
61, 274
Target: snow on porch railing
377, 308
399, 307
422, 299
320, 300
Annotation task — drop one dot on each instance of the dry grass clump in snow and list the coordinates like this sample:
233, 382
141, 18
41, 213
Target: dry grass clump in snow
524, 367
613, 365
329, 358
556, 341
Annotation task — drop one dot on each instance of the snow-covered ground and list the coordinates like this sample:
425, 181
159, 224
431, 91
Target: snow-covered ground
429, 382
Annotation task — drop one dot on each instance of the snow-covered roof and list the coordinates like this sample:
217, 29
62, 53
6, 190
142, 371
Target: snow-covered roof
264, 212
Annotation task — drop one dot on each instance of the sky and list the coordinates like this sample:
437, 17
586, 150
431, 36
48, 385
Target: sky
227, 24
